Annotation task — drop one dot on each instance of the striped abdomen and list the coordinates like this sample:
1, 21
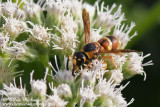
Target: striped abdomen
109, 43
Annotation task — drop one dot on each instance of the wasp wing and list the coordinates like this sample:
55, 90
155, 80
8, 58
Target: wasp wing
86, 22
117, 51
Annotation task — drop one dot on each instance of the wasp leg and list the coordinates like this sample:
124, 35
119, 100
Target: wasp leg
108, 57
87, 65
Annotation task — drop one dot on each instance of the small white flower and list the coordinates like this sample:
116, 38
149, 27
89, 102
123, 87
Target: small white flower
32, 9
64, 90
17, 49
95, 35
76, 7
111, 93
39, 87
55, 100
62, 76
56, 7
20, 14
67, 41
88, 75
94, 70
11, 9
13, 26
68, 21
117, 75
39, 34
13, 91
87, 94
4, 38
106, 19
134, 63
123, 33
119, 60
98, 66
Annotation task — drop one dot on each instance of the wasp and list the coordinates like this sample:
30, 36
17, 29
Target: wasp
107, 44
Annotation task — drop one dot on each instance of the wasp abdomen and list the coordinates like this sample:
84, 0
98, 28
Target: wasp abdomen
115, 42
105, 43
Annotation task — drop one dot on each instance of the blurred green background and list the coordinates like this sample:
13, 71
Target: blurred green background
146, 15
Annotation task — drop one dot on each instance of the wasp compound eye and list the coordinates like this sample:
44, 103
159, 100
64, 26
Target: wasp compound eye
80, 58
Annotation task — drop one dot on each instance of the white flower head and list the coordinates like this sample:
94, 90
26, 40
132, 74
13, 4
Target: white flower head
134, 63
87, 94
55, 100
111, 93
122, 33
117, 75
62, 76
4, 38
119, 60
32, 9
56, 7
20, 14
13, 91
76, 7
11, 9
98, 65
88, 75
39, 87
106, 18
94, 70
67, 41
95, 35
68, 21
17, 49
64, 90
39, 34
13, 26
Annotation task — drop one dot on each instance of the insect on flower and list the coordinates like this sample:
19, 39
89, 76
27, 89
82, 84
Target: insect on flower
107, 44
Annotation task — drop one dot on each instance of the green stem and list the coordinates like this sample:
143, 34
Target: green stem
87, 104
71, 104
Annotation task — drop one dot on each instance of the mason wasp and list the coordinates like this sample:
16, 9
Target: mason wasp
107, 44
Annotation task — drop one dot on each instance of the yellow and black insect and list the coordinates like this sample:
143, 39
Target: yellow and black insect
107, 44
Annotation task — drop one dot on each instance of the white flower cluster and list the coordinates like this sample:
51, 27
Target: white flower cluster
35, 32
4, 38
13, 26
13, 91
39, 34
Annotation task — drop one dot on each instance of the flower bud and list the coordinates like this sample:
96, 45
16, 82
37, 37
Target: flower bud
134, 65
64, 90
